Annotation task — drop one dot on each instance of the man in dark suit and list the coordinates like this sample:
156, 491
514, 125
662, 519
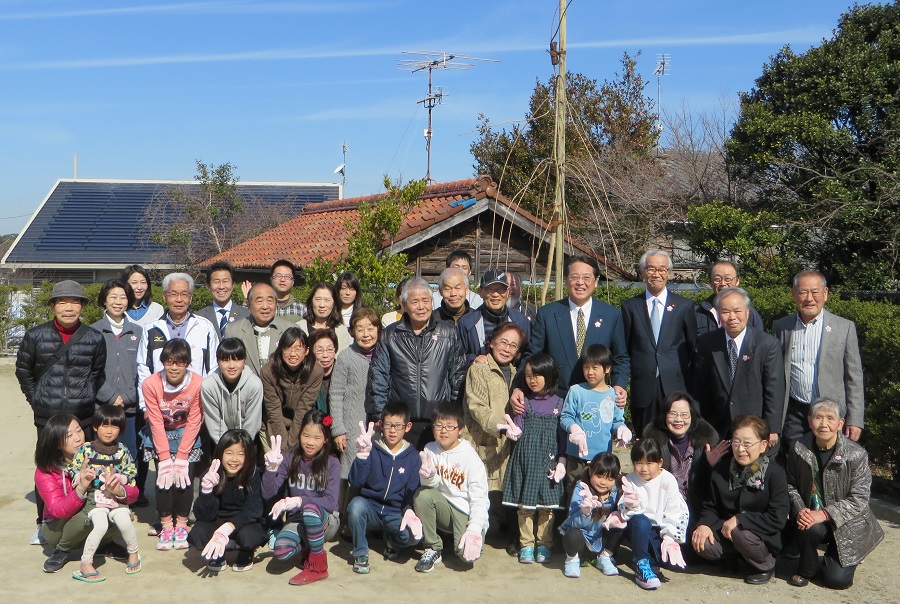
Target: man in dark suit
722, 274
563, 328
661, 333
220, 282
821, 358
739, 369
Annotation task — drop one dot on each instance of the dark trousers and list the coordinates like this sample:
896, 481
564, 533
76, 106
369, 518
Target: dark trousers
420, 434
174, 501
644, 412
575, 544
750, 547
248, 537
833, 574
796, 424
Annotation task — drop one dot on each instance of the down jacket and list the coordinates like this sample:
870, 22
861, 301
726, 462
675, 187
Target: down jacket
847, 481
422, 370
72, 383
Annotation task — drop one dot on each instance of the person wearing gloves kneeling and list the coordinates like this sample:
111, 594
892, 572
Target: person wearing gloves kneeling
386, 472
454, 492
230, 505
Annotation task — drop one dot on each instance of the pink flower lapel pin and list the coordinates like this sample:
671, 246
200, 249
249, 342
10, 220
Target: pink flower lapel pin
828, 328
836, 458
401, 470
133, 338
670, 308
745, 358
434, 337
556, 412
598, 323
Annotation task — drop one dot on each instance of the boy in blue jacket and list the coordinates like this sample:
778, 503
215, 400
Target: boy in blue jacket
387, 475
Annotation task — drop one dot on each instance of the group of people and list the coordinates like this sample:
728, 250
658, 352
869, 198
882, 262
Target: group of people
457, 414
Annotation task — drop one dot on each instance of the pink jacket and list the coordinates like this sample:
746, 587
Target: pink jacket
170, 410
61, 501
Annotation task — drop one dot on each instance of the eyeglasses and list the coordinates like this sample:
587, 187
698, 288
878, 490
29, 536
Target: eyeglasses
318, 350
507, 344
442, 429
737, 444
580, 278
178, 295
653, 270
725, 280
676, 415
282, 277
393, 426
174, 363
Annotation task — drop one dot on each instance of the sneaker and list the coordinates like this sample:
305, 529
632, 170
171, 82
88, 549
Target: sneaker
644, 575
361, 565
181, 534
542, 555
166, 539
243, 562
37, 538
390, 553
607, 565
217, 565
429, 559
572, 567
154, 529
56, 561
526, 555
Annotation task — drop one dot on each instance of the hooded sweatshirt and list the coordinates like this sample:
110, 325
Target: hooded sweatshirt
388, 479
225, 410
461, 478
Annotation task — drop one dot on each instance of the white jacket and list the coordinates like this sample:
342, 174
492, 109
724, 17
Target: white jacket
225, 410
662, 503
462, 478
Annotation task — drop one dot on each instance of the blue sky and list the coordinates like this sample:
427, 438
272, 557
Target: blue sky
141, 88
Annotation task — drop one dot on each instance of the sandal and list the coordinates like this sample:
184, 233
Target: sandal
94, 577
133, 569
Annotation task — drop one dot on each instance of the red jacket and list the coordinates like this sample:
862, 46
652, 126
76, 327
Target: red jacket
61, 501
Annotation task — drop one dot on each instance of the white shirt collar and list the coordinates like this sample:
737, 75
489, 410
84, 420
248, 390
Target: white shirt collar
573, 308
226, 308
662, 297
738, 341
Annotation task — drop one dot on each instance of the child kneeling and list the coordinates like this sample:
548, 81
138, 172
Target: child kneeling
454, 493
387, 474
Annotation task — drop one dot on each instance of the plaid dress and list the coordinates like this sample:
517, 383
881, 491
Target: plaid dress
526, 484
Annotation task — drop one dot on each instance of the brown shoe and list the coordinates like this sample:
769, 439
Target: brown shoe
798, 581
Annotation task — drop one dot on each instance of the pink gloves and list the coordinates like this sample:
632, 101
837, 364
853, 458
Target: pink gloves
589, 501
630, 499
671, 552
364, 441
578, 438
513, 432
211, 478
427, 470
623, 435
274, 457
558, 473
615, 521
288, 504
165, 473
181, 478
411, 521
216, 546
470, 546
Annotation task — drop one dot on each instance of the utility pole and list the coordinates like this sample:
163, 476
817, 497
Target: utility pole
559, 156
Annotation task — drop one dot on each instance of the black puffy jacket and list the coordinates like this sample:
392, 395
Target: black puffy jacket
72, 383
422, 370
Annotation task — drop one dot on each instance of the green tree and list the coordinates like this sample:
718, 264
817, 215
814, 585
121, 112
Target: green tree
818, 136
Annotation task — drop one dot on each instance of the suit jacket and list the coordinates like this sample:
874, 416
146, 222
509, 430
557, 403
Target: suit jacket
706, 322
211, 314
758, 386
839, 373
552, 333
671, 355
243, 330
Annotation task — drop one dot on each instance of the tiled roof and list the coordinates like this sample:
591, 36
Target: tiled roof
97, 221
321, 229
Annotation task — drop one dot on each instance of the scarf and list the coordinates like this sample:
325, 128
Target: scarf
752, 476
492, 320
448, 314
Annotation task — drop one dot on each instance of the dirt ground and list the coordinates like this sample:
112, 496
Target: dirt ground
496, 575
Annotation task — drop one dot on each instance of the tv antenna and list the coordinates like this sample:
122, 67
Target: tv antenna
663, 62
342, 169
432, 60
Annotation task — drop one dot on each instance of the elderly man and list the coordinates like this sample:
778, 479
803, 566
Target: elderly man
661, 334
220, 282
515, 300
738, 369
722, 274
260, 331
475, 328
461, 260
61, 366
177, 322
453, 288
418, 360
821, 358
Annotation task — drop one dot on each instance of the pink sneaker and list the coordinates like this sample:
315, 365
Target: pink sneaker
166, 539
181, 534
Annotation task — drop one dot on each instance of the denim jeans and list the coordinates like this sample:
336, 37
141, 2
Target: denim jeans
645, 539
364, 515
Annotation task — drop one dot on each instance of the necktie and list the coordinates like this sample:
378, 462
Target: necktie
580, 332
223, 321
655, 319
732, 357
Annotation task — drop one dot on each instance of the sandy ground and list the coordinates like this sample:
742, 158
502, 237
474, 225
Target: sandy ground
496, 575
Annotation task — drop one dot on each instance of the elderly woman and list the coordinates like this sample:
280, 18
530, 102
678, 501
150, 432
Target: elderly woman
828, 482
